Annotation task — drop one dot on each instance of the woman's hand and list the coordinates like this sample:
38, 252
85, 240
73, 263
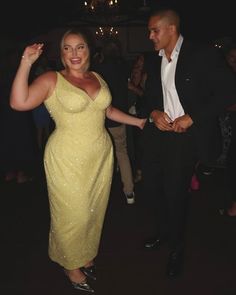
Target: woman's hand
32, 53
142, 123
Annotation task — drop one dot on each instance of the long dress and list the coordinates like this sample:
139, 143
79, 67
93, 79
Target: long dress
78, 163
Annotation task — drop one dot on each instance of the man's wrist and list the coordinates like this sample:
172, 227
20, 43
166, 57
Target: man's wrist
150, 119
152, 116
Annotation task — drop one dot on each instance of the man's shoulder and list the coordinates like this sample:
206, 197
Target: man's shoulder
198, 47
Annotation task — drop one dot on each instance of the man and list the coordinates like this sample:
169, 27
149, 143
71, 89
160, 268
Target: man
186, 88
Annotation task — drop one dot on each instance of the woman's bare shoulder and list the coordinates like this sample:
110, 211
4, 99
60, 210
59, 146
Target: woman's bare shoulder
46, 81
49, 76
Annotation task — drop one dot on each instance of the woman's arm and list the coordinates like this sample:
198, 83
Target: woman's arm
115, 114
24, 97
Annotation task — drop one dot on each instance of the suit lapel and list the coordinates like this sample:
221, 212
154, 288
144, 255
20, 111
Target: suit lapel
182, 63
183, 74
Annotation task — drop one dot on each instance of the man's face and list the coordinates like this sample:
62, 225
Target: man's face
160, 32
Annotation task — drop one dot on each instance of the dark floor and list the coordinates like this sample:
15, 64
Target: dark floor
123, 266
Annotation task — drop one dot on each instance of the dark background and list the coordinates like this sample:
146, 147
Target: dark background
200, 19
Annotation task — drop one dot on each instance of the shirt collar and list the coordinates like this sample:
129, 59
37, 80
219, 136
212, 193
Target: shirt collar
175, 50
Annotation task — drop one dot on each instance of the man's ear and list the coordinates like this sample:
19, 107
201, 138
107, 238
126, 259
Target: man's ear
172, 29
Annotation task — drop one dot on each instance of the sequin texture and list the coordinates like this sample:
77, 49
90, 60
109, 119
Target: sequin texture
78, 163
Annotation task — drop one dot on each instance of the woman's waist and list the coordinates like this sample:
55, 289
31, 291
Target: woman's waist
78, 135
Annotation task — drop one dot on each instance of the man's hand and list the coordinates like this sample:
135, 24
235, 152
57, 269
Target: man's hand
182, 123
161, 120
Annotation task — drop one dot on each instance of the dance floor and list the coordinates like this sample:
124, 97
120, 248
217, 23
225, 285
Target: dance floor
123, 266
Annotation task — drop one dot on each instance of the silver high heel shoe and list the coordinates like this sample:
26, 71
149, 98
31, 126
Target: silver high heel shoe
83, 286
89, 271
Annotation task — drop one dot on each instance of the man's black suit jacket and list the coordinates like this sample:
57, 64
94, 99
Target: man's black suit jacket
205, 86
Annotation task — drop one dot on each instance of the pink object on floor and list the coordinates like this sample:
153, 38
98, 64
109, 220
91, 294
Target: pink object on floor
195, 184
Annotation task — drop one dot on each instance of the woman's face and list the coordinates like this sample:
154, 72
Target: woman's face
75, 52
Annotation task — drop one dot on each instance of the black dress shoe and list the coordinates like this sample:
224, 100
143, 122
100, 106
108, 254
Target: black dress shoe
89, 271
175, 264
152, 244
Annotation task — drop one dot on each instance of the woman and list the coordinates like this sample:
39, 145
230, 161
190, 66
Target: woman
78, 156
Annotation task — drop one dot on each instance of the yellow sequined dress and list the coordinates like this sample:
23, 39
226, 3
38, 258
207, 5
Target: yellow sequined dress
78, 163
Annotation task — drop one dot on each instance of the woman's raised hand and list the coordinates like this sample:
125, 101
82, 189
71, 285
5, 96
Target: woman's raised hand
32, 53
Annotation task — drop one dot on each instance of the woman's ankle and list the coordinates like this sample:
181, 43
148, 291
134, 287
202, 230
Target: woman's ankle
89, 264
76, 275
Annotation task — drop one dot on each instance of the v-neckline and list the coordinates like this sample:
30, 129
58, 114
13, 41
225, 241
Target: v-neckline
82, 90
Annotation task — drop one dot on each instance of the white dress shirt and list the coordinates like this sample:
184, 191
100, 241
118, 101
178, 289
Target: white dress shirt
172, 105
